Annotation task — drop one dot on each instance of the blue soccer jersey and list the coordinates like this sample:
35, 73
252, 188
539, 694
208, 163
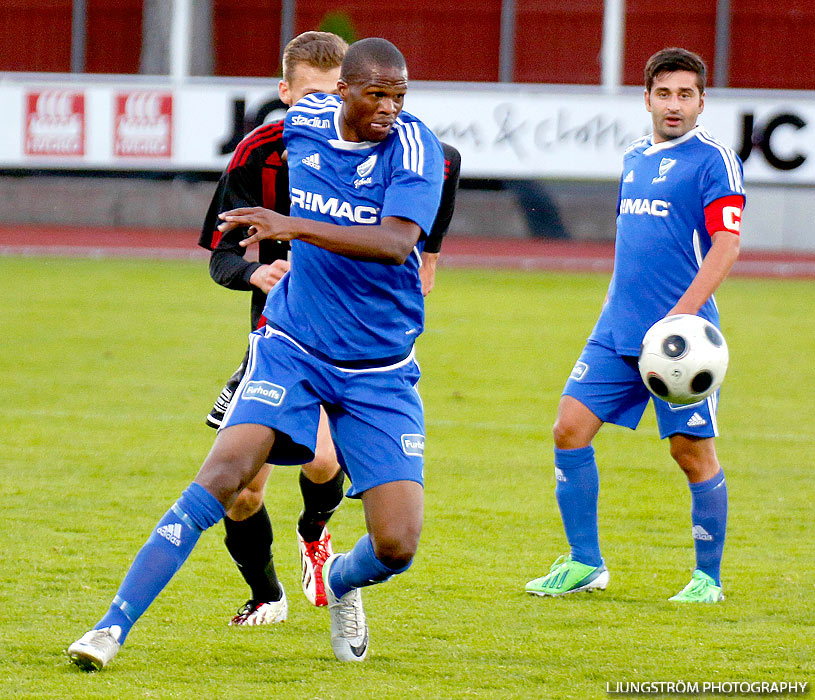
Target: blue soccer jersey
661, 234
352, 310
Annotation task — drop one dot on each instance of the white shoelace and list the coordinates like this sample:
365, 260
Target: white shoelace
351, 617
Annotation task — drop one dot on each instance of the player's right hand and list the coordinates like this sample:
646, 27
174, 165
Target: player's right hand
267, 276
262, 223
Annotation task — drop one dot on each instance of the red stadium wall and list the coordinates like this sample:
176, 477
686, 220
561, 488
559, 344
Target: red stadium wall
772, 44
113, 36
35, 35
441, 39
650, 27
557, 41
246, 37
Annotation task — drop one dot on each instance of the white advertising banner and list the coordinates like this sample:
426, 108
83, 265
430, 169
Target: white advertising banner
503, 131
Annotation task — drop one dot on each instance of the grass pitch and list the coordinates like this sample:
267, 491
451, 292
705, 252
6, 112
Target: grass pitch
108, 368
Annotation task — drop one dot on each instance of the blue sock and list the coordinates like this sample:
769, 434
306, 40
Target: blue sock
709, 518
359, 568
577, 490
162, 555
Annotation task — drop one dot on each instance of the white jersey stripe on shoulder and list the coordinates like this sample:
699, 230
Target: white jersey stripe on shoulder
705, 138
309, 110
418, 134
411, 138
729, 158
414, 156
405, 147
315, 101
731, 154
311, 105
736, 169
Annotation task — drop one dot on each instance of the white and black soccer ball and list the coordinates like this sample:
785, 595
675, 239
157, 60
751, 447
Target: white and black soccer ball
683, 359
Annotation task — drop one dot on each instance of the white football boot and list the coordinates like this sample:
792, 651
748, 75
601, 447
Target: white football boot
95, 649
349, 630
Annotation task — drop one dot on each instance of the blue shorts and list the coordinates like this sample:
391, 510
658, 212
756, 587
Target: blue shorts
610, 386
376, 414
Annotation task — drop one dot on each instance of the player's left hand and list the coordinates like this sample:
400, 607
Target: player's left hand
427, 272
262, 223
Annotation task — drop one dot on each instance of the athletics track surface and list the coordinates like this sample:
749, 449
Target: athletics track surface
458, 251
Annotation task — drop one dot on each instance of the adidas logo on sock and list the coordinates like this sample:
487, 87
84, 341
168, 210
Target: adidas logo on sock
695, 421
171, 533
699, 533
312, 161
559, 475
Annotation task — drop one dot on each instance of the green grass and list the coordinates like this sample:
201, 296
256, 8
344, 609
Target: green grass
108, 368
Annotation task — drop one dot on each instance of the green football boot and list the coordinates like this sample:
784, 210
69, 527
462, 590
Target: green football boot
567, 576
701, 589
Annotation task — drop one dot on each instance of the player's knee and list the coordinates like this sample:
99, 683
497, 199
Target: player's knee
225, 477
323, 468
695, 465
248, 502
396, 550
567, 434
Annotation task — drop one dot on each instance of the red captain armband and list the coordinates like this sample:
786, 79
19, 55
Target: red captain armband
724, 214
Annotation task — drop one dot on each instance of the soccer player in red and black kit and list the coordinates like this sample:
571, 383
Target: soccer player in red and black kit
257, 176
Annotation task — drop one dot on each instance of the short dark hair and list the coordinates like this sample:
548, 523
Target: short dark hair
322, 50
364, 54
674, 59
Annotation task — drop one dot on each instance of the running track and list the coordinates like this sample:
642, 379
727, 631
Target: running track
458, 251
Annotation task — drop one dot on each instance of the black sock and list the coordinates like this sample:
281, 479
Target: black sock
249, 543
319, 503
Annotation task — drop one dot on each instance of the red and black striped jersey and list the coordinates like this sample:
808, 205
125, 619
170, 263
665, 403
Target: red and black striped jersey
257, 176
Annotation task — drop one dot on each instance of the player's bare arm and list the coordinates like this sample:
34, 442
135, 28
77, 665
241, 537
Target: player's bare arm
723, 223
391, 241
713, 271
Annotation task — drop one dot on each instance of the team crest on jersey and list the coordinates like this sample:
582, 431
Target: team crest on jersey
365, 168
664, 166
364, 171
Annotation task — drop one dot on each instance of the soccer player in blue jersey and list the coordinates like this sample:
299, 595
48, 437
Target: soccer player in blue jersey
679, 210
365, 184
257, 175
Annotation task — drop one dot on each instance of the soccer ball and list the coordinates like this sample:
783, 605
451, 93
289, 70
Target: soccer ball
683, 359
